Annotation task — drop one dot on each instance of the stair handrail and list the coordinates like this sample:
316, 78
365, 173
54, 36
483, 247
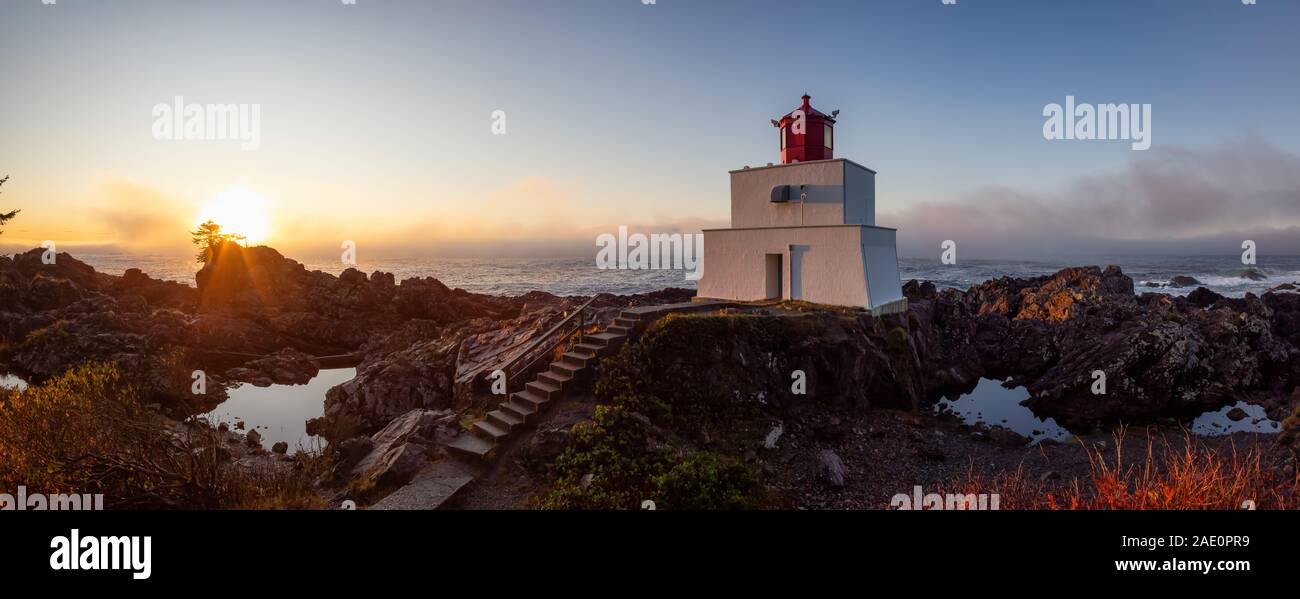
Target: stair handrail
510, 368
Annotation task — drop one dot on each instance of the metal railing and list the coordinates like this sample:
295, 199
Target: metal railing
544, 345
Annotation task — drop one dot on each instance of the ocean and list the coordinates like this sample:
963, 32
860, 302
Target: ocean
579, 276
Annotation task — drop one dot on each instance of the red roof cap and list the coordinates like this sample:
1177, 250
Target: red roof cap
808, 110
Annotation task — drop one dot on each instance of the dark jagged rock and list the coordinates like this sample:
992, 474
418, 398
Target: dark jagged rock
424, 364
720, 367
260, 317
158, 294
318, 310
1183, 281
545, 446
23, 268
417, 377
401, 449
1007, 437
915, 289
1160, 355
831, 469
1203, 298
285, 367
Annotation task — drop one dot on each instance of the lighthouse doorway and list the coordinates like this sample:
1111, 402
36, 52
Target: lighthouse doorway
775, 272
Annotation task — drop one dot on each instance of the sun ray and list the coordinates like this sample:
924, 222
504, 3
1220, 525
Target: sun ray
240, 210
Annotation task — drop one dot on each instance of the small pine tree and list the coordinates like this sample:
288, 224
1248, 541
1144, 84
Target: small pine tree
208, 237
6, 216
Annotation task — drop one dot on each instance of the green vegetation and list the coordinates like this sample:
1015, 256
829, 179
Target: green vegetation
648, 438
620, 459
709, 481
54, 337
1291, 426
6, 216
86, 431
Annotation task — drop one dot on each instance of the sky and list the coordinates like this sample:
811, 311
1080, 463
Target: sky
376, 120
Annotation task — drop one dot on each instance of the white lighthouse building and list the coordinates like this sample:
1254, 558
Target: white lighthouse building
804, 229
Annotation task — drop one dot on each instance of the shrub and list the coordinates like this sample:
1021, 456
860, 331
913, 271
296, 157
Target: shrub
1291, 427
615, 450
620, 459
85, 431
708, 481
674, 390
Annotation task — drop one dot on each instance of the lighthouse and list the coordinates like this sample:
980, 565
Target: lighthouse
806, 134
804, 229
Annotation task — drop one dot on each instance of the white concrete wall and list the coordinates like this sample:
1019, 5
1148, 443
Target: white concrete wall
831, 254
825, 266
880, 256
751, 195
859, 195
840, 192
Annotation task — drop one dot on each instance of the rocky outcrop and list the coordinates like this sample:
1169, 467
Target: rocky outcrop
831, 469
1160, 355
401, 449
331, 314
259, 317
727, 372
1057, 335
255, 317
417, 377
285, 367
431, 364
158, 294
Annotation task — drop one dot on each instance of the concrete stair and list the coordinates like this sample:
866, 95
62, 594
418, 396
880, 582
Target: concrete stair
430, 488
523, 408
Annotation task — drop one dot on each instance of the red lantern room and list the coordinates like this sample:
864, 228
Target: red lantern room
807, 134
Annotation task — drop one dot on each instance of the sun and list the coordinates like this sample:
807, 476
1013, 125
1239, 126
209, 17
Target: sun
240, 210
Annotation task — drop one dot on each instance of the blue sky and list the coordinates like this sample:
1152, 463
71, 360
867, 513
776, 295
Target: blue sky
376, 116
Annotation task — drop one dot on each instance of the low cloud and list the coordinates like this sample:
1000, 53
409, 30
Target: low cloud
141, 218
530, 218
121, 216
1169, 201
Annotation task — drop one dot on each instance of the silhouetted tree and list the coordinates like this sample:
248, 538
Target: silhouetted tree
6, 216
208, 237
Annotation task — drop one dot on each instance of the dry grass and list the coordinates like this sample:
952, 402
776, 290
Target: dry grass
1166, 476
86, 432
